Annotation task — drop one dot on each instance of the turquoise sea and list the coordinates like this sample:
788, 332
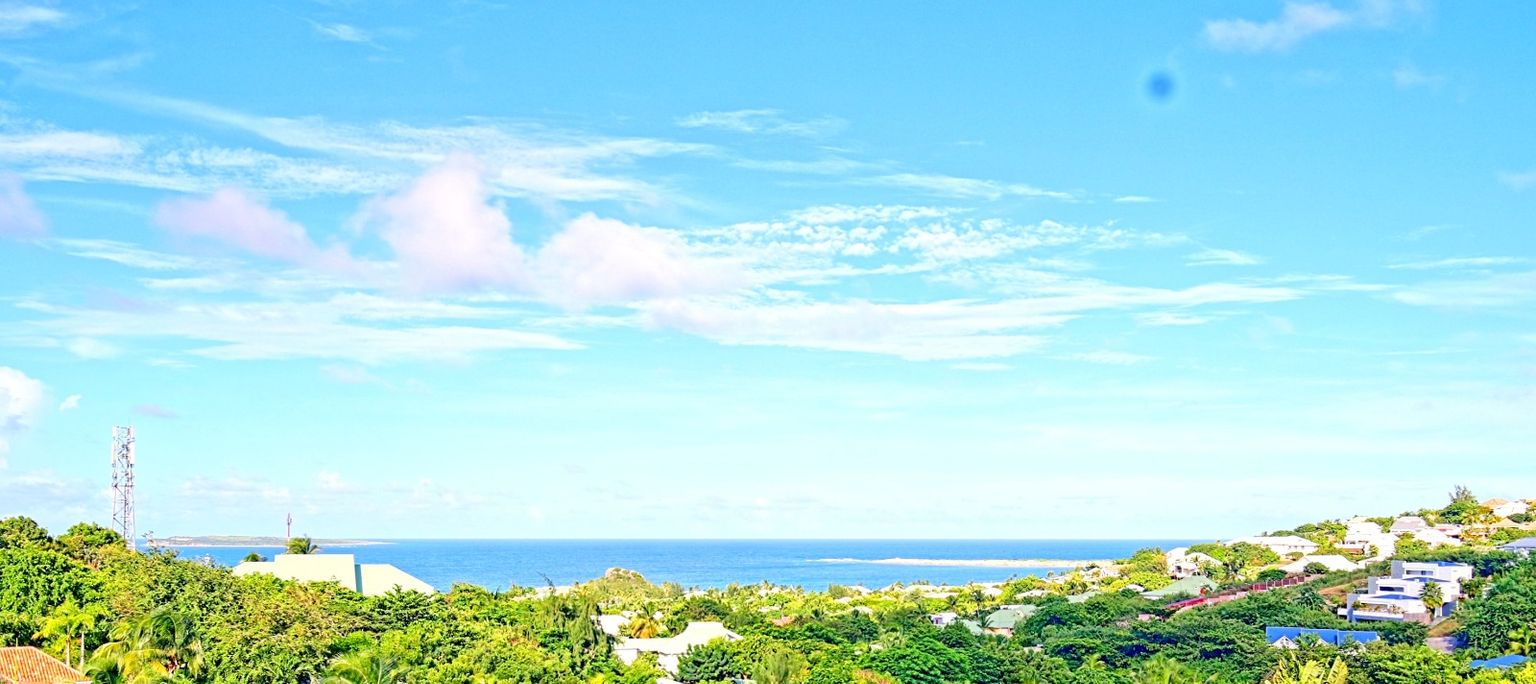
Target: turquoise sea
812, 564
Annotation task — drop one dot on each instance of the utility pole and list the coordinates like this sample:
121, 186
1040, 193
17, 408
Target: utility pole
122, 483
290, 526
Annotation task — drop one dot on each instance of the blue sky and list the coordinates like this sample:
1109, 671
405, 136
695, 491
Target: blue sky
784, 270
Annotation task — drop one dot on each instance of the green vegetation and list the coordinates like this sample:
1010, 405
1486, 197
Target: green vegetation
152, 617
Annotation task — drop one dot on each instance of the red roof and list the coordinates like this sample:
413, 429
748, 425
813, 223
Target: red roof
27, 665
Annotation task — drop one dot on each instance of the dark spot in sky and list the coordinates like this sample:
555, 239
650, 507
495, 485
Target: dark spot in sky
1160, 86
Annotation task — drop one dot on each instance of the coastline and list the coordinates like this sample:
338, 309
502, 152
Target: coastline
257, 543
972, 563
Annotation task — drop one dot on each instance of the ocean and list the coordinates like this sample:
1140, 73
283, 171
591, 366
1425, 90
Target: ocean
813, 564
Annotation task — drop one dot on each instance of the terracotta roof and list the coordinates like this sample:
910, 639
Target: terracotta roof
27, 665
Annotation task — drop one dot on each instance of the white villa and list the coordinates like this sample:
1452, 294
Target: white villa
670, 649
1397, 598
368, 579
1333, 562
1283, 545
1183, 563
1505, 508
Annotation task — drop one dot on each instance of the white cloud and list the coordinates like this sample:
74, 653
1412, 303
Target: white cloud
982, 367
70, 403
1409, 76
446, 232
596, 260
17, 18
18, 216
1134, 199
761, 121
345, 33
59, 145
1504, 290
1519, 180
134, 256
155, 411
20, 397
1113, 358
1299, 21
1165, 318
89, 348
1463, 263
1221, 257
964, 188
235, 218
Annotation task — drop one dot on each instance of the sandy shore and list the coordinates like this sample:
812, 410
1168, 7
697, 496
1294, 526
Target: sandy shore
975, 563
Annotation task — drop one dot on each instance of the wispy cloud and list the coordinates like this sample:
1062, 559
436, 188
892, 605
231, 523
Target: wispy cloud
345, 33
70, 403
761, 121
18, 18
964, 188
1299, 21
1112, 358
155, 411
1504, 290
19, 217
1518, 180
1463, 263
1409, 76
1221, 257
1134, 199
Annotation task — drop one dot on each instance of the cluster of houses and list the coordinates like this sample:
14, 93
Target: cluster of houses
28, 665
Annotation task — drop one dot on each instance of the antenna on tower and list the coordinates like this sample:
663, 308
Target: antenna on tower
290, 526
122, 483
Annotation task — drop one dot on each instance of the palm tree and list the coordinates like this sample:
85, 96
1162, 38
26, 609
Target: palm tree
152, 648
253, 557
1433, 597
1160, 669
778, 667
1523, 641
1292, 672
642, 626
302, 546
363, 667
69, 621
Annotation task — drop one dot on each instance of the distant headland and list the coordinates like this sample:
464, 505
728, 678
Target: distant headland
256, 542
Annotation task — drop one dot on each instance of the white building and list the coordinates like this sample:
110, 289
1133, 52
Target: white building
1398, 598
942, 619
1505, 508
1408, 524
670, 649
1283, 545
368, 579
1333, 562
1183, 563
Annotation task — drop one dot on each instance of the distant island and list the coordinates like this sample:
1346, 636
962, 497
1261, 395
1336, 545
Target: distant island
977, 563
256, 542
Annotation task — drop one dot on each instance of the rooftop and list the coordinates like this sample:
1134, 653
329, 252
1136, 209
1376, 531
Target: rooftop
28, 665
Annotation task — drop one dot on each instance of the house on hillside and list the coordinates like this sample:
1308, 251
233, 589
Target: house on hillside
1505, 508
669, 650
1398, 598
1524, 546
28, 665
1195, 585
1282, 545
1003, 620
1333, 562
1294, 637
1436, 537
1408, 524
368, 579
943, 619
1182, 562
1367, 537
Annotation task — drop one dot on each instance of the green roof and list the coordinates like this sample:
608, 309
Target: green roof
1006, 618
1189, 585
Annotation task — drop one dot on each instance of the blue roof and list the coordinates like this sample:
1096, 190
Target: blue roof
1522, 543
1500, 662
1332, 637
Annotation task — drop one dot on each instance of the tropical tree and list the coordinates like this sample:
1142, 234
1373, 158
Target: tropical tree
642, 626
69, 622
1160, 669
363, 667
1522, 641
778, 666
152, 648
1293, 672
1433, 597
302, 546
253, 557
